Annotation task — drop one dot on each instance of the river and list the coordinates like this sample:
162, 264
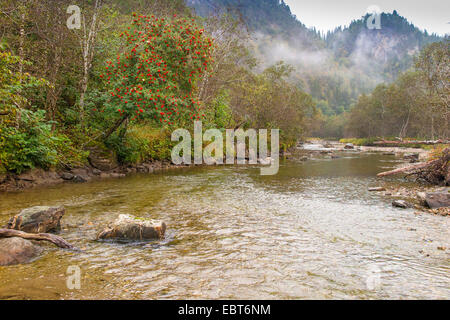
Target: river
313, 231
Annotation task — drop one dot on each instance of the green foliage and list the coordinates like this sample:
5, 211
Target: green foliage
268, 100
33, 144
141, 143
360, 141
219, 115
415, 105
155, 76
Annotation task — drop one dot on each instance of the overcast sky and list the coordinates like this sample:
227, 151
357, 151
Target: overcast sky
432, 15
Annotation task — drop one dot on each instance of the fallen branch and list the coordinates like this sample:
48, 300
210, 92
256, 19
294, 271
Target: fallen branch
435, 171
56, 240
407, 169
409, 142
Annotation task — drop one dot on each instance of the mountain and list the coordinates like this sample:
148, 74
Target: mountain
390, 49
335, 68
269, 17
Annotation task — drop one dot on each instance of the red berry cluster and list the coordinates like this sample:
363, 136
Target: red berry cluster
155, 75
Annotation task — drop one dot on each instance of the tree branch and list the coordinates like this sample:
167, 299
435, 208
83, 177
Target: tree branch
56, 240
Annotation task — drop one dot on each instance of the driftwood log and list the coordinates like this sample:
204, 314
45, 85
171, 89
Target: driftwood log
428, 142
56, 240
434, 172
407, 169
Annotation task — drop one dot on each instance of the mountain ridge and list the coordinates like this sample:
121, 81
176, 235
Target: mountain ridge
337, 67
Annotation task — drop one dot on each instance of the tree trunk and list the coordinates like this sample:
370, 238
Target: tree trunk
114, 127
406, 169
88, 50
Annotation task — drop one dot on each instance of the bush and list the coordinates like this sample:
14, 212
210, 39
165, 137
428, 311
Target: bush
33, 144
141, 143
359, 141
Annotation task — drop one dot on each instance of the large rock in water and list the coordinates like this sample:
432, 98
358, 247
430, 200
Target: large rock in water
127, 227
349, 146
16, 251
401, 204
437, 200
37, 219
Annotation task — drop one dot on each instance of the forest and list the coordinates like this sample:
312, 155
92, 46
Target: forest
131, 74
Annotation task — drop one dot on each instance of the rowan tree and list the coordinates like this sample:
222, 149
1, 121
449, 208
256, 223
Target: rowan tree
154, 76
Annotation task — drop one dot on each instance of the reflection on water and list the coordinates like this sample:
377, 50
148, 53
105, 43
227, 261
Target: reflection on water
312, 231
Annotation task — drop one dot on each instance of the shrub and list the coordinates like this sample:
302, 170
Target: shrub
360, 141
141, 143
33, 144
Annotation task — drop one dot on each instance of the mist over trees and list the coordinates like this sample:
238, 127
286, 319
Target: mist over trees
335, 68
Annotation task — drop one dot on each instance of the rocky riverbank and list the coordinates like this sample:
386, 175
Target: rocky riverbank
424, 199
39, 177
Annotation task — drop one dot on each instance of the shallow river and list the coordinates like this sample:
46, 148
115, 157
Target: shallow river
313, 231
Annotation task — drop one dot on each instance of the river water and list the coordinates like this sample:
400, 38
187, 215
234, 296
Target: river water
312, 231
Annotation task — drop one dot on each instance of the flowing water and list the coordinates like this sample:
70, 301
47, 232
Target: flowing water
313, 231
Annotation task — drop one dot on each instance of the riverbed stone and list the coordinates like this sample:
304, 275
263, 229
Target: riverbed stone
16, 251
128, 227
102, 159
437, 200
67, 176
349, 146
401, 204
41, 219
412, 157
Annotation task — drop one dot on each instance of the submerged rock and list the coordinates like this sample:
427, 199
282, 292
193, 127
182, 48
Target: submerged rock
17, 250
131, 228
37, 219
437, 200
304, 158
349, 146
412, 157
401, 204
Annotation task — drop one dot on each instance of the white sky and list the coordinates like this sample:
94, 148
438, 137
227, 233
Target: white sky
432, 15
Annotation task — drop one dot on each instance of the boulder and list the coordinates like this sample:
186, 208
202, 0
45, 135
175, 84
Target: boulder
127, 227
349, 146
412, 157
67, 176
437, 200
80, 179
401, 204
17, 250
37, 219
104, 160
